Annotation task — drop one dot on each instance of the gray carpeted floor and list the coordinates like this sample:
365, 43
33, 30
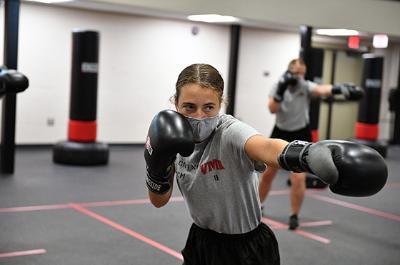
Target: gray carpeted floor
65, 215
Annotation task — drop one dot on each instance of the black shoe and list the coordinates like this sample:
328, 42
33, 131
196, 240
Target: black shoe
293, 222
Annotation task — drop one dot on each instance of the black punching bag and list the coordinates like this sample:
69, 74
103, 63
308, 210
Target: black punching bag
367, 125
313, 58
314, 73
81, 147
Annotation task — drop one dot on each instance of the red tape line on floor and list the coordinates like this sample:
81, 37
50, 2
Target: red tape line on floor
23, 253
355, 207
127, 231
279, 225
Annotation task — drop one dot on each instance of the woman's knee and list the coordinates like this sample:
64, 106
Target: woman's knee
298, 179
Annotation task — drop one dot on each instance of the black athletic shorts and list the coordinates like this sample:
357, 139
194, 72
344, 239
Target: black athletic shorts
206, 247
303, 134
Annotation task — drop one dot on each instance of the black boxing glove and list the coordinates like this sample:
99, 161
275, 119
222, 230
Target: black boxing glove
349, 168
287, 79
169, 133
12, 81
348, 90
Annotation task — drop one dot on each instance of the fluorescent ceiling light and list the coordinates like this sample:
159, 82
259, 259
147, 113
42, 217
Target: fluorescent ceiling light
50, 1
380, 41
337, 32
212, 18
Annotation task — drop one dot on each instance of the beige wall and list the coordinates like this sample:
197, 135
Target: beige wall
261, 52
139, 61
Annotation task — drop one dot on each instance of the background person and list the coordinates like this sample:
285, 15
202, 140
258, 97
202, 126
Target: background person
290, 99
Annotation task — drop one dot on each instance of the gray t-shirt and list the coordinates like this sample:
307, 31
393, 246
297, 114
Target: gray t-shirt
219, 182
293, 112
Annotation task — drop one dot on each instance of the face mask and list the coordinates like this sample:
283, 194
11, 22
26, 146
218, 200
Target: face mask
203, 128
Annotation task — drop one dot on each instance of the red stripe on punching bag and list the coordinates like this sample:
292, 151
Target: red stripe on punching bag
82, 131
314, 135
367, 131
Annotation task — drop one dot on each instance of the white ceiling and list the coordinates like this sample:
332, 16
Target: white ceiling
369, 16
